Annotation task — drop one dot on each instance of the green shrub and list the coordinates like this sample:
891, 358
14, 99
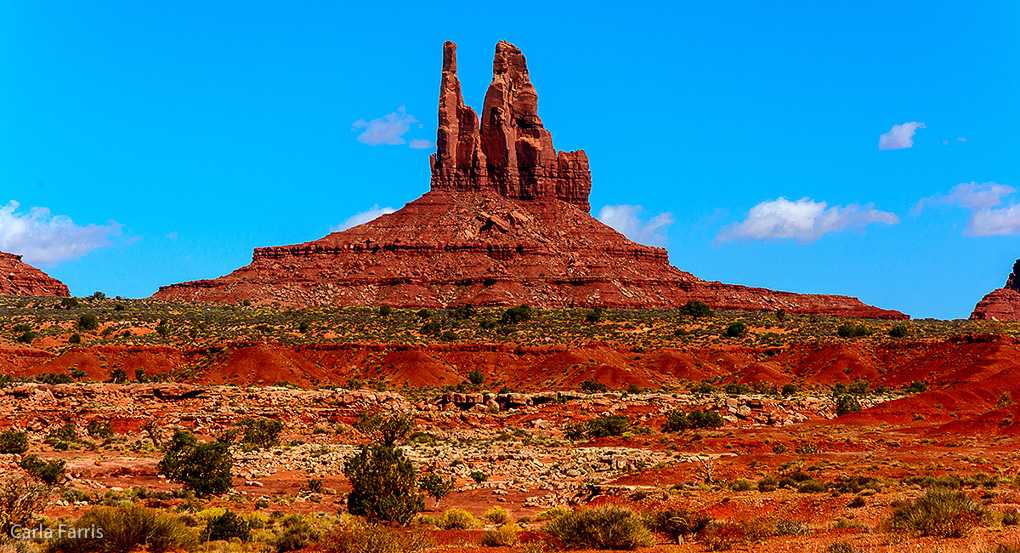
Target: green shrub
436, 486
676, 421
939, 512
99, 430
789, 389
384, 485
49, 472
479, 476
603, 527
226, 526
88, 321
463, 312
741, 485
476, 377
916, 387
768, 484
608, 425
503, 536
705, 419
118, 376
516, 315
395, 427
74, 339
203, 468
852, 330
385, 310
702, 388
736, 330
28, 337
54, 378
260, 433
859, 387
431, 328
594, 316
297, 533
124, 529
695, 309
899, 331
847, 403
13, 442
592, 387
677, 523
812, 486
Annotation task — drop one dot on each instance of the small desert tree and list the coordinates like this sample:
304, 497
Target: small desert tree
384, 482
201, 467
384, 485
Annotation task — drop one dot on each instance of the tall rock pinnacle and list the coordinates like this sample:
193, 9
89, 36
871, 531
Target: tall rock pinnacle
512, 153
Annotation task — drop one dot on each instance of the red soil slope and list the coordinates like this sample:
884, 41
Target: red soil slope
971, 380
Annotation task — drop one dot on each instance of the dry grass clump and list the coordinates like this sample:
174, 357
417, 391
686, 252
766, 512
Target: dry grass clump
603, 527
939, 512
124, 529
358, 536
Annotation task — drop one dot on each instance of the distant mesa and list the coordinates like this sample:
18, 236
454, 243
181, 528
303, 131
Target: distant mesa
18, 278
1001, 304
506, 222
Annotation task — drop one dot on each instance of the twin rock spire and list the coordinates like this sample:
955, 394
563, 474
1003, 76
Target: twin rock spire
511, 152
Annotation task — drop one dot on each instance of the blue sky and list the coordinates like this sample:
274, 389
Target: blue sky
149, 143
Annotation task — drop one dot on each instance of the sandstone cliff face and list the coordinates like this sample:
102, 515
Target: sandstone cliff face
512, 153
18, 278
506, 222
1002, 304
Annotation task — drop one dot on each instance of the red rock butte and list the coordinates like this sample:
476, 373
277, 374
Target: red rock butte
1001, 304
18, 278
506, 222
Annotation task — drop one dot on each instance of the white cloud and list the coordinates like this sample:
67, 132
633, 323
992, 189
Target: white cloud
625, 220
961, 139
365, 216
172, 235
804, 220
422, 144
901, 136
388, 129
983, 201
46, 239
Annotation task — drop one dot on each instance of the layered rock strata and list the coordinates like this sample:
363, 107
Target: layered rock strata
18, 278
1001, 304
506, 222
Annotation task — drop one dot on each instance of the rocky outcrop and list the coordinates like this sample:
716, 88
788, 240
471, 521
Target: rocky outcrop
1001, 304
18, 278
507, 222
512, 153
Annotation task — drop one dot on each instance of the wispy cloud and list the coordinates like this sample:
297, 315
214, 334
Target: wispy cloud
988, 215
901, 136
46, 239
804, 220
422, 144
626, 220
388, 129
365, 216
